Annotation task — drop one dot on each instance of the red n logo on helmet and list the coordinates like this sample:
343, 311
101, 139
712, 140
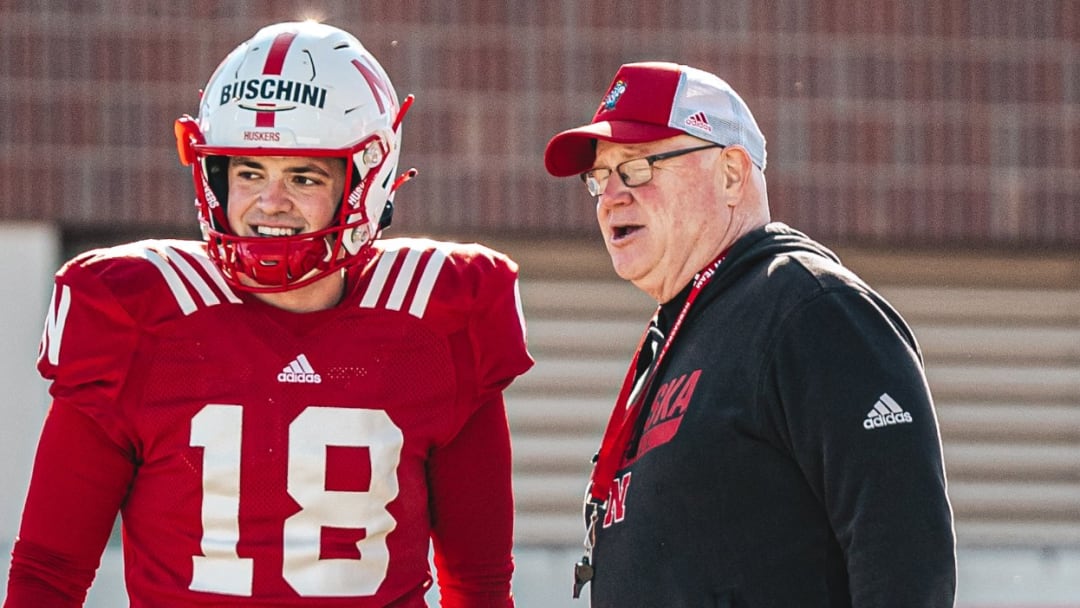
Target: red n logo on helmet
379, 89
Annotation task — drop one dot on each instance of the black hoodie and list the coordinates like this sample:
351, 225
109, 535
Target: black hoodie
788, 455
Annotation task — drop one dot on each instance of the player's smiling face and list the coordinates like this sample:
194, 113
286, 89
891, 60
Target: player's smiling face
655, 232
273, 196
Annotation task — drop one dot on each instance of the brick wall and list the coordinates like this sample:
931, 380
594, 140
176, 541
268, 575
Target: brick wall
895, 122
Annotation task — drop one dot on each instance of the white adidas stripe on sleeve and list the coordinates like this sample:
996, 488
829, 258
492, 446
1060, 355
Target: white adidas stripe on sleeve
405, 278
378, 279
171, 260
427, 283
172, 279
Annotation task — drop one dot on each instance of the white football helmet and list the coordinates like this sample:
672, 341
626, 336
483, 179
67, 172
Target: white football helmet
296, 89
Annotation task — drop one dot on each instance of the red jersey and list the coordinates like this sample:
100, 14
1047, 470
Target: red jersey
260, 457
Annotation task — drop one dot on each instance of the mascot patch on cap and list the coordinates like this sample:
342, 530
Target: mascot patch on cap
613, 95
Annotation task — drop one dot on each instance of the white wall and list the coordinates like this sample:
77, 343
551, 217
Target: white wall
29, 255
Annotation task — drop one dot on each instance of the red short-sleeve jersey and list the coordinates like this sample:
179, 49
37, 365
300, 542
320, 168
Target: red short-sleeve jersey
276, 458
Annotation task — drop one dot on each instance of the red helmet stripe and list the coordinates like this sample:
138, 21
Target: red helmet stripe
275, 60
265, 119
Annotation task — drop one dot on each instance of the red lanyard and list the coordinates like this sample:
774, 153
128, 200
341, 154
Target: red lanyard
620, 426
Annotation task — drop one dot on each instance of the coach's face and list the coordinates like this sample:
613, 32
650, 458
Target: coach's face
659, 234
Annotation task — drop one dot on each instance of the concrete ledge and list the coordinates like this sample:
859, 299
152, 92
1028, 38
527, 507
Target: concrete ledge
975, 532
1028, 501
587, 259
562, 454
573, 376
1005, 382
550, 337
614, 300
999, 343
585, 336
1009, 422
550, 492
577, 299
1055, 462
551, 529
983, 304
571, 414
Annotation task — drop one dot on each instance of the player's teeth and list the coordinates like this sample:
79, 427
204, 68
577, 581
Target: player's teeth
274, 231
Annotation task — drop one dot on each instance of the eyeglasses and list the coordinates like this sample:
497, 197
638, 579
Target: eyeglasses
634, 172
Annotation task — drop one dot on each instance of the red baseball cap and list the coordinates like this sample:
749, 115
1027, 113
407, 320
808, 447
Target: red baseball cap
657, 100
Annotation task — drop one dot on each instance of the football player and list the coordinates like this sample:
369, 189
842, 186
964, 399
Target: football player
293, 410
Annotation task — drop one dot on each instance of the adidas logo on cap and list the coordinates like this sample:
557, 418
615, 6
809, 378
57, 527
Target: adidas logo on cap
886, 412
698, 121
299, 371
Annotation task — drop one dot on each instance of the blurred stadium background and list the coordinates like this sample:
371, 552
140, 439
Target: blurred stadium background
934, 144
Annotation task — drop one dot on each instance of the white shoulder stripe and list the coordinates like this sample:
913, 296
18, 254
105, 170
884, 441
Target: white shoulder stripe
404, 279
196, 281
170, 259
183, 298
218, 279
427, 283
378, 279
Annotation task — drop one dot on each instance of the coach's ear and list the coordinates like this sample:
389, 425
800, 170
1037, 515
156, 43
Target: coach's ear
734, 170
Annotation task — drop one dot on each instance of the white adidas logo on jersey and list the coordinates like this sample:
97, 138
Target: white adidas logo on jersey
299, 371
886, 412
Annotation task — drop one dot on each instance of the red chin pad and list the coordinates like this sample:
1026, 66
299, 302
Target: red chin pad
279, 262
